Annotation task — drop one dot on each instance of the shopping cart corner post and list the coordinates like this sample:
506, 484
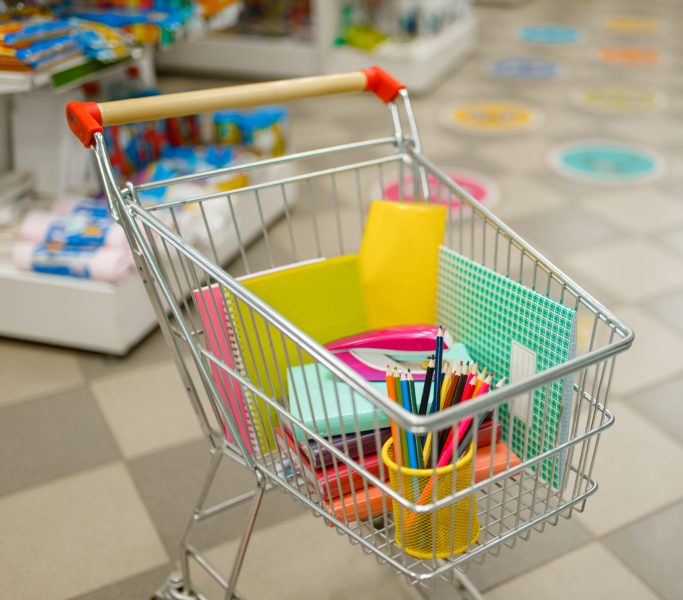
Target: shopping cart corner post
261, 484
462, 586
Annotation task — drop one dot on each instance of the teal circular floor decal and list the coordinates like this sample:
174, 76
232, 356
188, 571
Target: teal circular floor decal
549, 34
524, 68
607, 162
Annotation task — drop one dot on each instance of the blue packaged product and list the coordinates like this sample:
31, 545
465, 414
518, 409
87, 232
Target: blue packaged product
102, 264
264, 132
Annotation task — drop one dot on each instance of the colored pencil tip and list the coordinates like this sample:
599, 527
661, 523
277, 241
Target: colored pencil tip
501, 383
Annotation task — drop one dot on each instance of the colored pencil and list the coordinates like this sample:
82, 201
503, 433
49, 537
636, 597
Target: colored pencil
410, 438
413, 403
395, 433
424, 403
402, 432
443, 434
457, 397
480, 381
437, 370
447, 454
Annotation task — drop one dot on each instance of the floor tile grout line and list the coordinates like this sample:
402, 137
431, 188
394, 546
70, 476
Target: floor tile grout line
70, 387
54, 480
634, 573
636, 520
126, 465
559, 556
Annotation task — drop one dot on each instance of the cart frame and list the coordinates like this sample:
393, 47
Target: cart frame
513, 502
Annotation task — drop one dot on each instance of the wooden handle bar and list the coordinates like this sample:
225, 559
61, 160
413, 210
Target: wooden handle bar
88, 118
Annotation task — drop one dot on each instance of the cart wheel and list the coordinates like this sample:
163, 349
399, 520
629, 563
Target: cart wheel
172, 589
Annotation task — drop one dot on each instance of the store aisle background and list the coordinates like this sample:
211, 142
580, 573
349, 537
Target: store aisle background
102, 458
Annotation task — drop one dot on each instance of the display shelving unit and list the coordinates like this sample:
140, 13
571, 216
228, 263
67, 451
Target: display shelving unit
419, 63
80, 313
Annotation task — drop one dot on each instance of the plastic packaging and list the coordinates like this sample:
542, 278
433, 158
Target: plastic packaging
101, 264
82, 227
264, 131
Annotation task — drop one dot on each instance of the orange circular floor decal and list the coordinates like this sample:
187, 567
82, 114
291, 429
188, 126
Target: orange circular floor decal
630, 55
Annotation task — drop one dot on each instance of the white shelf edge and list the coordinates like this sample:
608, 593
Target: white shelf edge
236, 54
418, 64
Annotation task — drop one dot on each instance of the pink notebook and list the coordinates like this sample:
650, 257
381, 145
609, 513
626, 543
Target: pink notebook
219, 342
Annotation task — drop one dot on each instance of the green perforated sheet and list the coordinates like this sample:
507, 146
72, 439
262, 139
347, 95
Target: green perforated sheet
490, 314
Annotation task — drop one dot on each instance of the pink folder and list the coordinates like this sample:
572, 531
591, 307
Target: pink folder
211, 306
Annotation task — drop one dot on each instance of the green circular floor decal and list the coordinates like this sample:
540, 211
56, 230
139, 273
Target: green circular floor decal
549, 34
618, 98
607, 162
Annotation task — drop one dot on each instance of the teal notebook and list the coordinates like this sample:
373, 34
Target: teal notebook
327, 405
515, 332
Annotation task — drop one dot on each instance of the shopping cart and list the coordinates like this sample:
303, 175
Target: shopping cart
322, 209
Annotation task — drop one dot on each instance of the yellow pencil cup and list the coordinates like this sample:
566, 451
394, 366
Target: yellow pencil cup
456, 526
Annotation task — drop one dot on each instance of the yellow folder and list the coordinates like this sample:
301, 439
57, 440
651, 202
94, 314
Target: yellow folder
322, 298
398, 262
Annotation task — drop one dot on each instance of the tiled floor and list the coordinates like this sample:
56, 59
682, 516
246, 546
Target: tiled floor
101, 458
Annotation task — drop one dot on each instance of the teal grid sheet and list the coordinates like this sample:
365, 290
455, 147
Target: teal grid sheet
511, 329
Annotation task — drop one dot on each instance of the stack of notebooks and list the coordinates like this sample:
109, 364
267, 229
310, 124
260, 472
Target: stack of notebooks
348, 495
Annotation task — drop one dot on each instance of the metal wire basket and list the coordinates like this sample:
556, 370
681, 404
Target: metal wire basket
320, 211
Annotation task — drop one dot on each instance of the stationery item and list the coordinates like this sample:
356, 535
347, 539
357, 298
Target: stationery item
410, 437
424, 402
405, 234
220, 341
413, 405
445, 385
360, 505
328, 482
485, 435
306, 295
403, 347
517, 332
404, 439
437, 372
395, 435
328, 405
352, 445
488, 463
462, 382
441, 438
445, 532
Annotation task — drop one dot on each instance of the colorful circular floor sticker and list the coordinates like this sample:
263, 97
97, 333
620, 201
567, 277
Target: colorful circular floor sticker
618, 98
482, 188
549, 34
524, 68
633, 25
492, 117
631, 56
607, 162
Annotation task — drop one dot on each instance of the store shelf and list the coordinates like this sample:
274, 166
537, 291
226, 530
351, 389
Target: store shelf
112, 318
253, 56
65, 76
79, 313
420, 63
